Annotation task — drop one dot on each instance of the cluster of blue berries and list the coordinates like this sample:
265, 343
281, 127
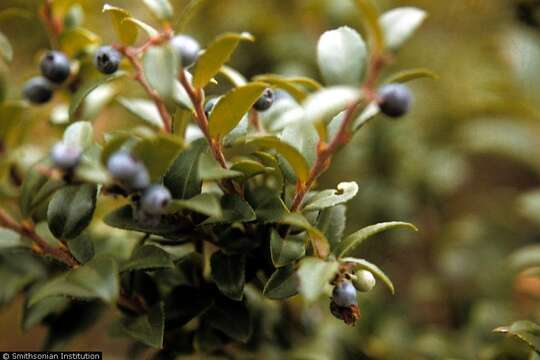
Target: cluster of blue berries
55, 69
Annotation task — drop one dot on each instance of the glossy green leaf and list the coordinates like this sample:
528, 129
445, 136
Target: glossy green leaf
34, 315
315, 275
211, 170
234, 77
127, 31
362, 264
342, 56
181, 97
70, 210
206, 204
231, 107
281, 82
289, 152
400, 24
234, 209
145, 110
182, 178
354, 240
412, 74
97, 279
329, 198
323, 105
267, 204
6, 51
215, 56
19, 269
248, 167
161, 69
320, 244
82, 248
81, 94
232, 318
150, 31
79, 134
282, 284
286, 251
35, 190
524, 330
10, 239
158, 153
148, 257
124, 218
371, 20
304, 137
148, 328
228, 272
162, 9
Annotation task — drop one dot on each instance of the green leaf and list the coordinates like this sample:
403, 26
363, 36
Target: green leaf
248, 167
150, 31
78, 40
70, 210
304, 137
82, 93
331, 222
95, 279
161, 69
281, 82
34, 315
362, 264
148, 328
182, 178
342, 55
371, 19
206, 204
79, 134
232, 318
320, 244
181, 97
14, 12
124, 218
184, 303
399, 25
354, 240
36, 189
282, 284
210, 170
524, 330
127, 31
234, 77
18, 270
82, 248
411, 74
329, 198
323, 105
10, 239
228, 272
315, 275
145, 110
235, 209
267, 204
215, 56
289, 152
158, 153
231, 108
148, 257
162, 9
6, 51
286, 251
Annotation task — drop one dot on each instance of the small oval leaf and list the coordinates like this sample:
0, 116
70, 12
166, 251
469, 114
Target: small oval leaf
399, 25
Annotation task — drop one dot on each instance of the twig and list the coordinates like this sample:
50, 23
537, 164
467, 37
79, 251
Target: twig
255, 121
54, 26
40, 245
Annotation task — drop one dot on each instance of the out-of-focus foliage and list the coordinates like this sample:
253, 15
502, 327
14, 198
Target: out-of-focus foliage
462, 167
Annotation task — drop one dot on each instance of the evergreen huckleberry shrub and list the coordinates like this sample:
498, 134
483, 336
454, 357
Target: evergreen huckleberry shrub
197, 241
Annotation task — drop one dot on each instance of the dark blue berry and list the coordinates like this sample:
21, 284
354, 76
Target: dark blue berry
107, 59
265, 101
155, 200
65, 157
344, 294
186, 48
55, 66
128, 171
394, 100
38, 90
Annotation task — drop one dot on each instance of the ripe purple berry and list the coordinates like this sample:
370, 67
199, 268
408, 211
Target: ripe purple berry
65, 157
126, 169
155, 200
107, 59
265, 101
344, 294
38, 90
186, 48
55, 66
394, 100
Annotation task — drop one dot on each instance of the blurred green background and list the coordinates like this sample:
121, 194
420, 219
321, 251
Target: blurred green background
463, 167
